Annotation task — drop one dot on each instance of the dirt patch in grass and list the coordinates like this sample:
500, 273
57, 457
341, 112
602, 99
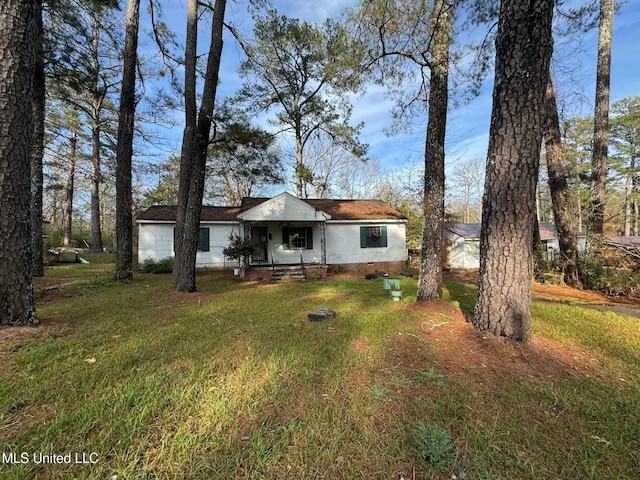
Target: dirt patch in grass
359, 345
545, 291
353, 275
53, 289
19, 417
175, 298
54, 294
476, 356
563, 293
44, 283
12, 337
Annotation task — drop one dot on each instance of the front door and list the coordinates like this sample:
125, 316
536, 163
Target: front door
259, 241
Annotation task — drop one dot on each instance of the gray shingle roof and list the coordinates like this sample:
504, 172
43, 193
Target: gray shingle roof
472, 230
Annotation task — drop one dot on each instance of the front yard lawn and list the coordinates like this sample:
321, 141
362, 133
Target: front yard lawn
234, 382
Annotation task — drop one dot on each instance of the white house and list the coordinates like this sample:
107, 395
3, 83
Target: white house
464, 243
355, 234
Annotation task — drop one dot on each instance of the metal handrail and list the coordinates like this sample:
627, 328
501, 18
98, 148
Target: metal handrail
302, 264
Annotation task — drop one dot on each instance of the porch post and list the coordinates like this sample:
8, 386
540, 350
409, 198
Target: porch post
323, 244
246, 236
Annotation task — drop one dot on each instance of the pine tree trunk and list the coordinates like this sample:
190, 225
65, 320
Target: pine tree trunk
96, 181
96, 145
183, 278
628, 191
634, 202
194, 152
124, 151
69, 189
430, 279
601, 120
563, 201
523, 52
299, 166
634, 210
18, 29
37, 151
630, 202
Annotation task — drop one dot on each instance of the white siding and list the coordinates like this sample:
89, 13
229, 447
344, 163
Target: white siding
282, 256
343, 243
155, 242
218, 240
464, 253
283, 208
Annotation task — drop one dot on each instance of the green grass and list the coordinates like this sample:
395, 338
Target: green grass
235, 382
461, 294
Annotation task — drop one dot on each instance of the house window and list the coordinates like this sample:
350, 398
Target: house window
203, 240
297, 237
373, 237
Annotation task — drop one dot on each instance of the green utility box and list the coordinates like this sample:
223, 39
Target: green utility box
391, 283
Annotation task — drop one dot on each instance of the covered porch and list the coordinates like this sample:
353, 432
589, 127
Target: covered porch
285, 232
286, 243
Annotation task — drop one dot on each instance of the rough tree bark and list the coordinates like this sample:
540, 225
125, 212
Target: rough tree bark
599, 158
69, 189
430, 279
181, 267
194, 146
37, 150
523, 53
96, 145
628, 192
124, 149
96, 181
18, 31
299, 164
563, 201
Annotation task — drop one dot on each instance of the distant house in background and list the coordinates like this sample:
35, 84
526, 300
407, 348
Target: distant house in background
464, 241
285, 230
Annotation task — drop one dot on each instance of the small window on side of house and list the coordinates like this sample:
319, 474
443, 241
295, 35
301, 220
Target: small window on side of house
373, 236
203, 239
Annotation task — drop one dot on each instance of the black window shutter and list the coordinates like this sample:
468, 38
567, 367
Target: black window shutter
309, 238
203, 240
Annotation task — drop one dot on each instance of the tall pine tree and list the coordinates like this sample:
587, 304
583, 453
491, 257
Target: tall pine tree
523, 53
18, 51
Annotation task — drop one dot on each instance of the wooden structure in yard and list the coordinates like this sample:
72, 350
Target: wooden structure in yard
629, 245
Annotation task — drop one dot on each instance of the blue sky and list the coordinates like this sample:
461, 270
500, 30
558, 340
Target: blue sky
468, 125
